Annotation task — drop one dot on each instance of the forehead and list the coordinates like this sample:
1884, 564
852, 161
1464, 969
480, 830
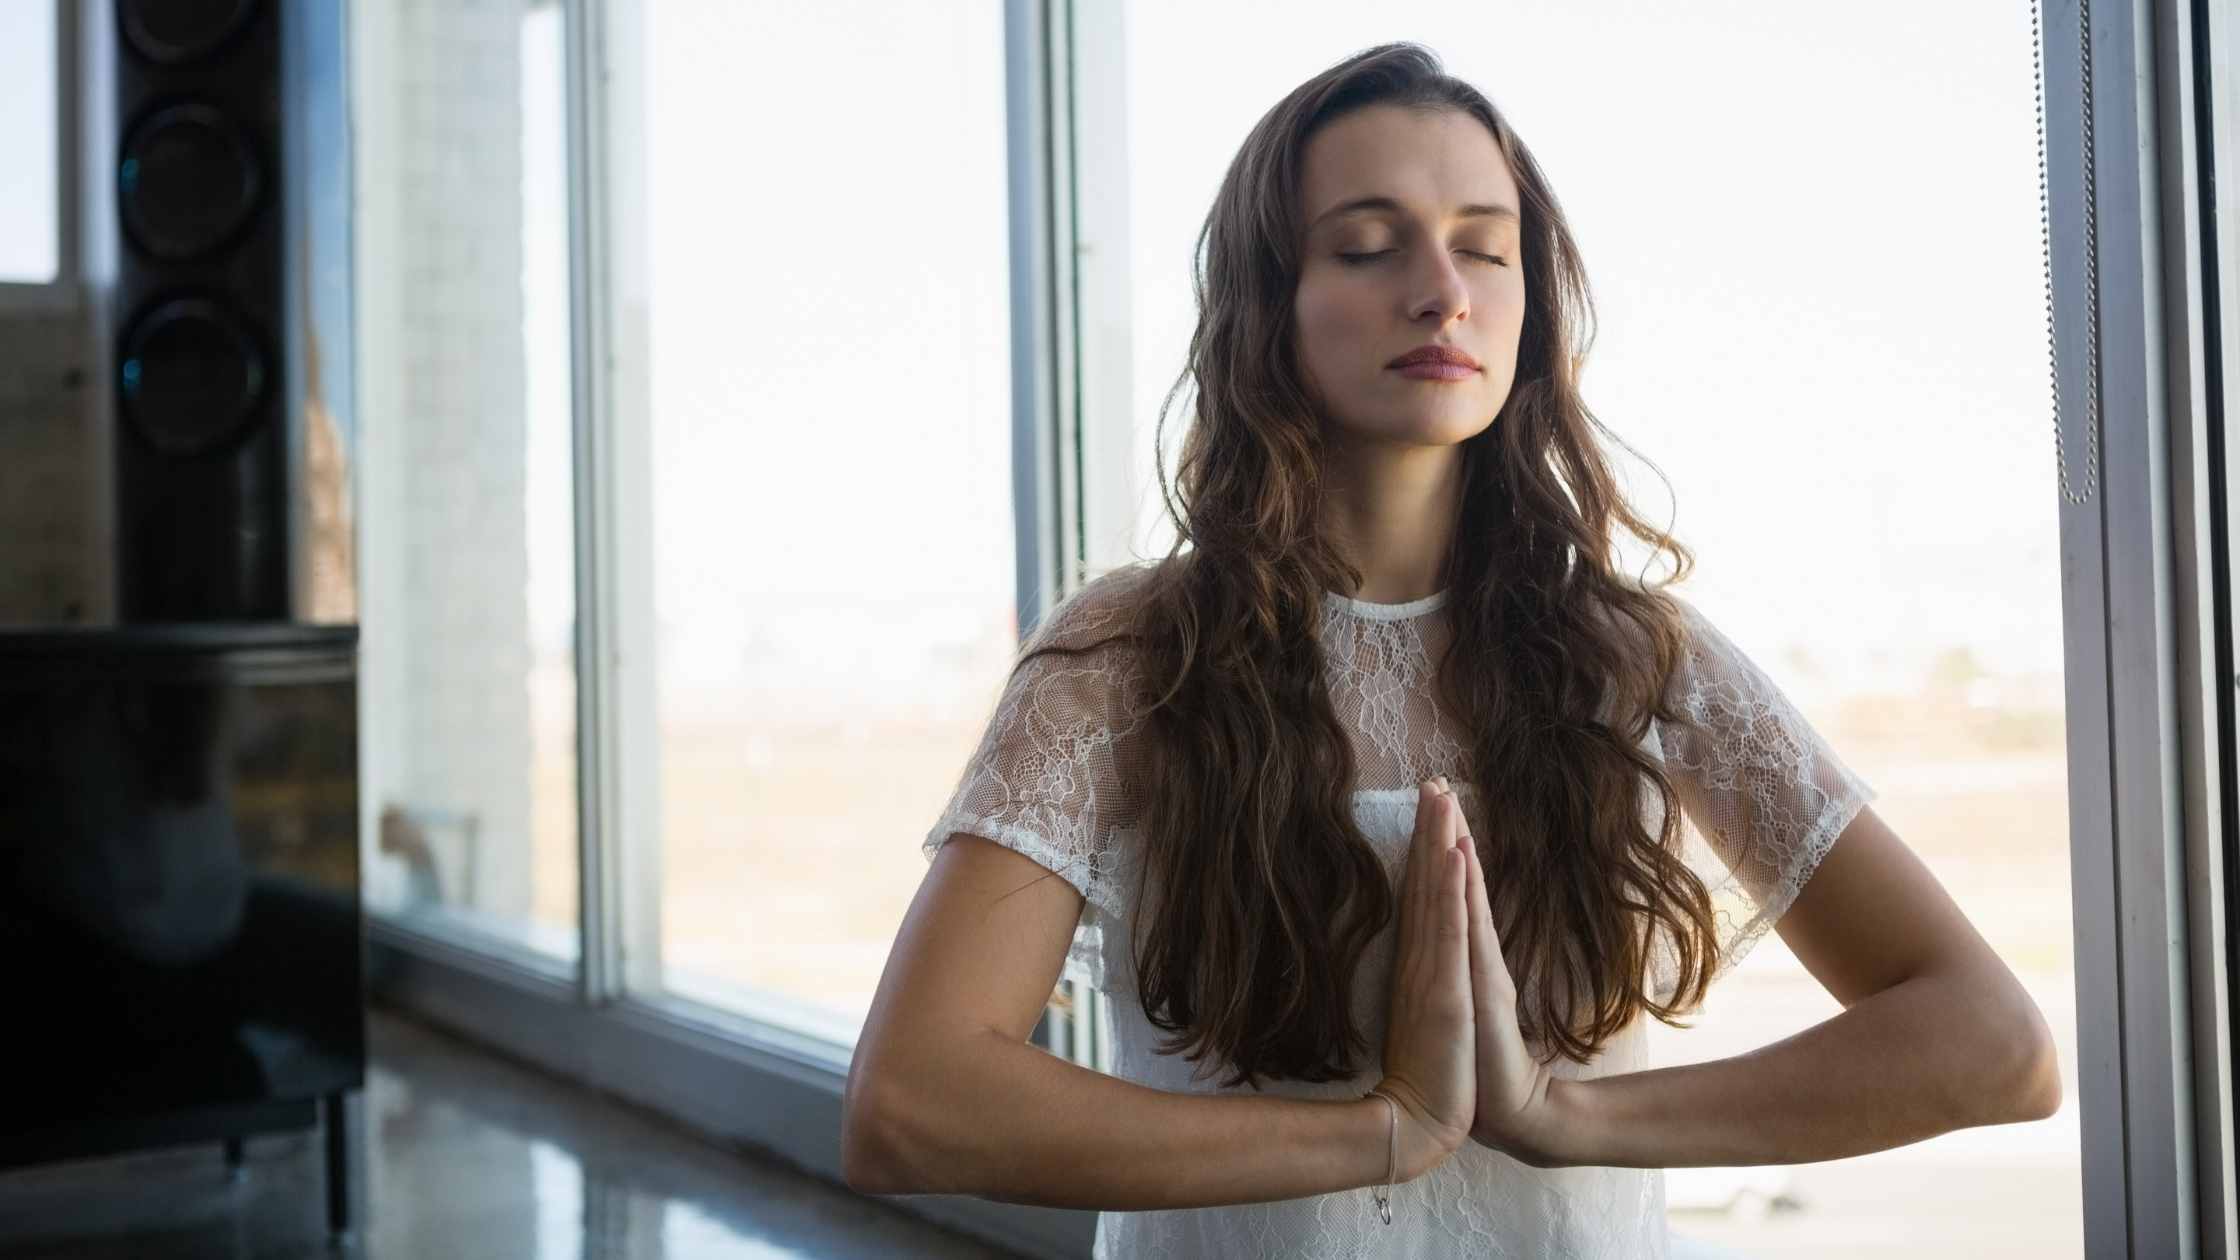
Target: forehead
1431, 163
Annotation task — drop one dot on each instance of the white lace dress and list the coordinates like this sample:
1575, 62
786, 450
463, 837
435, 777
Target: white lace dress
1764, 796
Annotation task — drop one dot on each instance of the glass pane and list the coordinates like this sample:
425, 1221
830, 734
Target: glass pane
469, 702
28, 160
1858, 462
827, 386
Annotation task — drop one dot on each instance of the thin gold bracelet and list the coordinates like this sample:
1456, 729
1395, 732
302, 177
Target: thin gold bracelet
1383, 1194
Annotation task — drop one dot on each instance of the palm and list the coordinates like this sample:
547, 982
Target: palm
1512, 1084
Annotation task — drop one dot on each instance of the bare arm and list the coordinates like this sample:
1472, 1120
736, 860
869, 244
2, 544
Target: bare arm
946, 1095
1936, 1034
1014, 1123
1909, 1063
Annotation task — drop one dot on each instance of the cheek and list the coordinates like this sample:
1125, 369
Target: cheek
1508, 298
1323, 316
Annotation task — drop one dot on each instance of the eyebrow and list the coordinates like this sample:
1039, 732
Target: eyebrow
1359, 204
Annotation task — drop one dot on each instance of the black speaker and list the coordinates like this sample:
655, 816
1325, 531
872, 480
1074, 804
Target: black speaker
199, 312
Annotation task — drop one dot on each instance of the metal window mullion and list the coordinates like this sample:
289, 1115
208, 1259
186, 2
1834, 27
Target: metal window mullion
1078, 1028
1044, 489
2142, 739
1100, 290
2220, 146
598, 831
2188, 82
2192, 76
68, 153
1069, 530
1043, 473
93, 267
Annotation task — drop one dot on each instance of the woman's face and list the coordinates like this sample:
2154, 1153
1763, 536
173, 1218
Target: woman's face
1427, 267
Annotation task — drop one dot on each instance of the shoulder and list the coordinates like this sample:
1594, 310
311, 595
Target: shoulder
1095, 613
1653, 604
1077, 665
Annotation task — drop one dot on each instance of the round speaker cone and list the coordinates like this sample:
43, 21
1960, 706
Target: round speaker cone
187, 179
190, 377
169, 32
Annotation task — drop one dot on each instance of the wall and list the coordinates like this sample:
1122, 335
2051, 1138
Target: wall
47, 513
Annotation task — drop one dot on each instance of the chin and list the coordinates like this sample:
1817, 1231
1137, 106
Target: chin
1450, 425
1448, 430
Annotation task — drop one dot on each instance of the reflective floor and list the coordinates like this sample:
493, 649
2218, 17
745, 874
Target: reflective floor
465, 1156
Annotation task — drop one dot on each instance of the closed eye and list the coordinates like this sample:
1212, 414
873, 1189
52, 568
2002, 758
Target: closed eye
1356, 260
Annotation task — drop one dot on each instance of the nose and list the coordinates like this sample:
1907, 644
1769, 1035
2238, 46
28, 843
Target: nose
1440, 292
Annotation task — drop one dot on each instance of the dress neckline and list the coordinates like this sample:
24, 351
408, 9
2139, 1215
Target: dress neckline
1388, 612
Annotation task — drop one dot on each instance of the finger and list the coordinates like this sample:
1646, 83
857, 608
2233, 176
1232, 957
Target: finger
1442, 920
1454, 929
1409, 939
1450, 826
1432, 893
1439, 883
1423, 860
1486, 938
1458, 898
1483, 955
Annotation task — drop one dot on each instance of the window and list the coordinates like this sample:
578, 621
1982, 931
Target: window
468, 574
812, 325
30, 155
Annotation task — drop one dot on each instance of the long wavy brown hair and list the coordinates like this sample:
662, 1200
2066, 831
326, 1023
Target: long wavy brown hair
1261, 892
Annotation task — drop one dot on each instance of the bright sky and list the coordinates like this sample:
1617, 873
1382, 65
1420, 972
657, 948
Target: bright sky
27, 142
1815, 241
1814, 233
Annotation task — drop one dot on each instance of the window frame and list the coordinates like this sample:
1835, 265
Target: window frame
2148, 760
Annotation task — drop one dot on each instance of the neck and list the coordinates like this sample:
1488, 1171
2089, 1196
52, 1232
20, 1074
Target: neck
1391, 508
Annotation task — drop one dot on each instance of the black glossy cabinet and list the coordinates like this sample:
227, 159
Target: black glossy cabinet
179, 892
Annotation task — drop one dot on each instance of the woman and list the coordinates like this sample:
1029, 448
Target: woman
1404, 909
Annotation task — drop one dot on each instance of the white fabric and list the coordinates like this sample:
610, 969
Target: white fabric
1764, 798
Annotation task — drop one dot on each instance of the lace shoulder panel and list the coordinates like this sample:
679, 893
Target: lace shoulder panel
1764, 794
1053, 775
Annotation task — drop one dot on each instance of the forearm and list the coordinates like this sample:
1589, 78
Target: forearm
1011, 1122
1918, 1059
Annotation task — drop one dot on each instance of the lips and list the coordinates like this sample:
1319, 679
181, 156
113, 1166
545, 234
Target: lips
1435, 354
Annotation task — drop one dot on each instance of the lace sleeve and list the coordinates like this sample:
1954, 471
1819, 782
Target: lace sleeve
1046, 780
1764, 795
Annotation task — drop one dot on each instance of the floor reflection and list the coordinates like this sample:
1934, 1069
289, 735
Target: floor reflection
466, 1155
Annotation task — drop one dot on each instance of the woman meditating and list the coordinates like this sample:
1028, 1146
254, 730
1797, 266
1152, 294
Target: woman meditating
1385, 808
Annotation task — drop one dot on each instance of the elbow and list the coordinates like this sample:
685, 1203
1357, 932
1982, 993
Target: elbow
899, 1137
862, 1165
2041, 1091
869, 1162
2030, 1088
2018, 1075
